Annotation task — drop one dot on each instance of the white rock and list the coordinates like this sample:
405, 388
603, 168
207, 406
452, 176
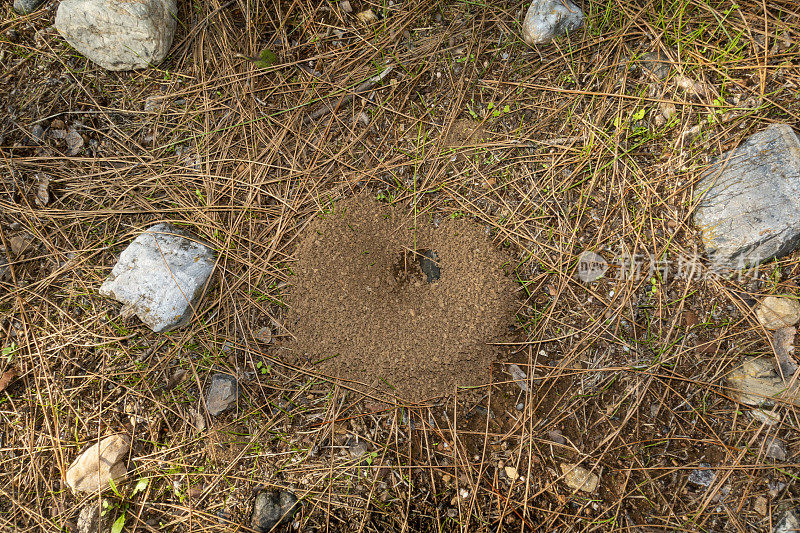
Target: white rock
765, 417
788, 522
511, 472
777, 312
161, 276
118, 35
547, 19
578, 478
102, 462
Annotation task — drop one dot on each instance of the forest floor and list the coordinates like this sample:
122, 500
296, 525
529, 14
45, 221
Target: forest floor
594, 142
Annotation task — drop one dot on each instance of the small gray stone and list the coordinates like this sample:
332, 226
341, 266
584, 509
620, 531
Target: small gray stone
91, 518
357, 449
273, 508
26, 7
775, 449
657, 64
37, 132
118, 35
4, 269
222, 393
429, 264
703, 477
161, 277
789, 522
749, 200
765, 417
548, 19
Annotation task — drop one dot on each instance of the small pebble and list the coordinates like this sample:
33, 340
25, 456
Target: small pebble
578, 478
703, 477
272, 508
222, 393
511, 472
788, 522
777, 312
776, 449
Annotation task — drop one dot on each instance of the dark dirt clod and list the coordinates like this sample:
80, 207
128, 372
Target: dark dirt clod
273, 508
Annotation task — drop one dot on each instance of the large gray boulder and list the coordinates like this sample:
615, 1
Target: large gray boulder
548, 19
118, 34
161, 277
749, 200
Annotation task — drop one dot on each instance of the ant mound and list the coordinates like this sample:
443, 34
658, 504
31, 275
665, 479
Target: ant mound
409, 313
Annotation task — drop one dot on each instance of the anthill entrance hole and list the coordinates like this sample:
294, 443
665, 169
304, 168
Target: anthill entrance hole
421, 265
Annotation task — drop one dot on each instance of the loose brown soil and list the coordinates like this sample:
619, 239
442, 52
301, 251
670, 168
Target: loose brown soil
363, 310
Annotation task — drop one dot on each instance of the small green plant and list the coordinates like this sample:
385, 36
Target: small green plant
9, 351
141, 486
496, 112
387, 197
119, 523
266, 58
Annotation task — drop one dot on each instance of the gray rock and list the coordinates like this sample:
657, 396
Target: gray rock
789, 522
91, 518
161, 277
775, 449
118, 35
4, 269
657, 64
703, 477
273, 508
749, 200
548, 19
223, 392
37, 131
429, 264
26, 7
357, 449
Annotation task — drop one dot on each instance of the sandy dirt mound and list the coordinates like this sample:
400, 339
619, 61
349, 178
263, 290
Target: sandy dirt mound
410, 316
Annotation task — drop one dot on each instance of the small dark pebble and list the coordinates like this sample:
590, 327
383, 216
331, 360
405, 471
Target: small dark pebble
429, 263
273, 507
37, 134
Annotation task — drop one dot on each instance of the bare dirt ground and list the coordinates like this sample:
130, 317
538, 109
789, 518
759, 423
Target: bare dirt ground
592, 142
